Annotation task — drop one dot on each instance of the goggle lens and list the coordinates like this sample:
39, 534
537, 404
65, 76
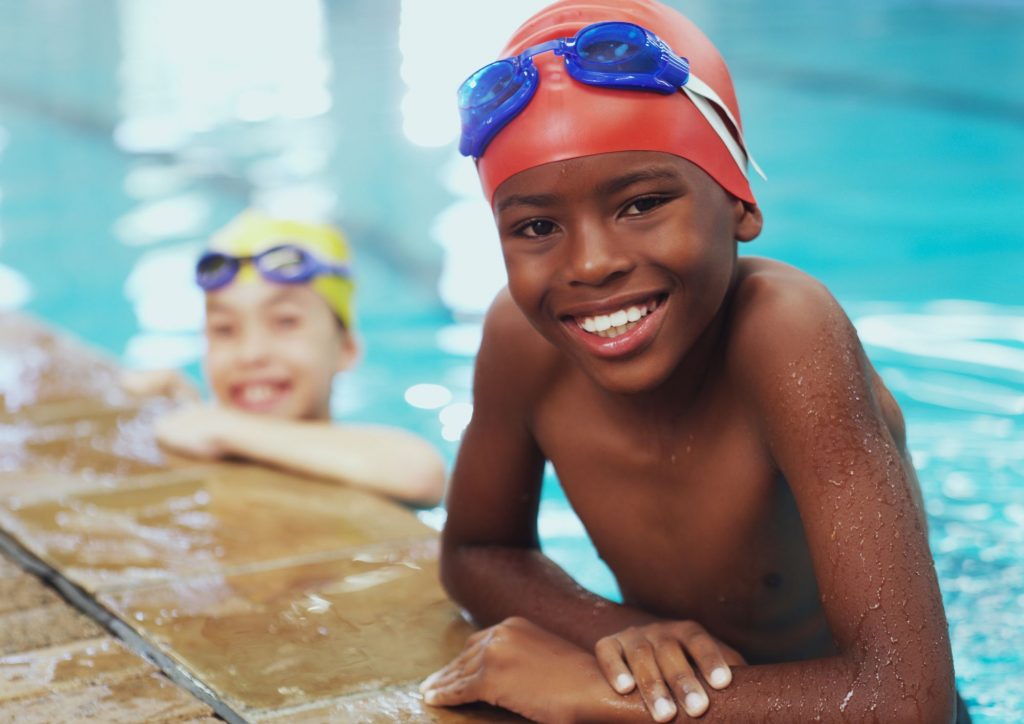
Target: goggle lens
613, 46
214, 270
285, 263
491, 84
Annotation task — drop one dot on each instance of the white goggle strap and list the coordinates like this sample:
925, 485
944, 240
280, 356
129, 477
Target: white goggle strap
703, 96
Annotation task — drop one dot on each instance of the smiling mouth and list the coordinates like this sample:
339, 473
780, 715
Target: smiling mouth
258, 395
619, 321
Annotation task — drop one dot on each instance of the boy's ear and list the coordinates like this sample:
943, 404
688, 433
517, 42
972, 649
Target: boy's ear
349, 350
749, 221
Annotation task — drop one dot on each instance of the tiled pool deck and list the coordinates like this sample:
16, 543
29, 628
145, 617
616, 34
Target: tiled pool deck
261, 596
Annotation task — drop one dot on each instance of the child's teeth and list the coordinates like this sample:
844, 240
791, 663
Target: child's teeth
610, 325
261, 393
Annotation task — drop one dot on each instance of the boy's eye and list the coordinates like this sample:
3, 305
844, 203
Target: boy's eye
220, 330
537, 228
286, 322
643, 205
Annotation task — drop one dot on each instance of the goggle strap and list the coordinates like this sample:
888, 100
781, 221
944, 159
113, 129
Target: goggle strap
338, 270
701, 93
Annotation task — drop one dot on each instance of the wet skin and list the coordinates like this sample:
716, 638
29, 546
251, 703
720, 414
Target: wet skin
733, 456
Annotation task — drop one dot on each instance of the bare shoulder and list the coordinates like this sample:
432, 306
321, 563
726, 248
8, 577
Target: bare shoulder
785, 321
783, 318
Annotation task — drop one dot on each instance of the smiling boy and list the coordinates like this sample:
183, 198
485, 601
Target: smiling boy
279, 327
713, 420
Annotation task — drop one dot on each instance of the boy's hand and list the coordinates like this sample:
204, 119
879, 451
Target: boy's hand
656, 659
162, 383
195, 430
519, 666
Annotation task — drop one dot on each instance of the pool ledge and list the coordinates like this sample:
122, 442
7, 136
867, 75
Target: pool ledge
266, 596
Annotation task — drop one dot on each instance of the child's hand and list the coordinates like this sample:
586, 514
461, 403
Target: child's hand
656, 659
161, 383
194, 430
519, 666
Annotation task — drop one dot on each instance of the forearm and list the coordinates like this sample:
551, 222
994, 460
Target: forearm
494, 582
384, 460
829, 690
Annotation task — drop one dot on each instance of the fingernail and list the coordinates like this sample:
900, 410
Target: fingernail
427, 682
720, 677
663, 708
695, 703
623, 683
430, 697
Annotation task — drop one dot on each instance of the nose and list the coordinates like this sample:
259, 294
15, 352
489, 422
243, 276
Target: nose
253, 348
597, 256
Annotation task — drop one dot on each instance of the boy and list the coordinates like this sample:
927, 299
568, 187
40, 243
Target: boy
713, 420
278, 328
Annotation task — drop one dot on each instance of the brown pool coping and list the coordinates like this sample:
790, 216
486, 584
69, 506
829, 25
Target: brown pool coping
263, 595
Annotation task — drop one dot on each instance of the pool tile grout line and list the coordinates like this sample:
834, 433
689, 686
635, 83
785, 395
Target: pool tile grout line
89, 606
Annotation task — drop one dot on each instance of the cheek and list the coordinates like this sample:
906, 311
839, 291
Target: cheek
526, 279
217, 365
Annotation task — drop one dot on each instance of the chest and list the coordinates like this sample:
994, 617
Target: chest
691, 506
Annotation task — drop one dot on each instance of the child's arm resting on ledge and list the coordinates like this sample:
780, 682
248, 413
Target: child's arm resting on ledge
382, 459
797, 357
163, 383
491, 561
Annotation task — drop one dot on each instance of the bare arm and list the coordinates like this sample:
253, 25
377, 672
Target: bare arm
382, 459
162, 382
798, 360
491, 561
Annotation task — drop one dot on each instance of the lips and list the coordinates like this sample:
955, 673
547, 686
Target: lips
617, 328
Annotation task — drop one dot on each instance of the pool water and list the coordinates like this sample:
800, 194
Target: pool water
892, 132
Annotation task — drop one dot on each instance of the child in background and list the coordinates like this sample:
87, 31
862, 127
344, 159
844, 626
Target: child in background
713, 420
279, 326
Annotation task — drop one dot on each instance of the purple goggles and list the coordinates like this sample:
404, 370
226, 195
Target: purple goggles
283, 264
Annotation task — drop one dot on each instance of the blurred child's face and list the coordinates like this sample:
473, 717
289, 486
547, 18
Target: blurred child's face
274, 349
621, 260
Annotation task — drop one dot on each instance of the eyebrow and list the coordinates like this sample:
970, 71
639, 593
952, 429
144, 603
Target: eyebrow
653, 173
528, 200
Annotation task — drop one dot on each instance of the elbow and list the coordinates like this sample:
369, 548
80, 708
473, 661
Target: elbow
939, 709
425, 489
923, 691
452, 569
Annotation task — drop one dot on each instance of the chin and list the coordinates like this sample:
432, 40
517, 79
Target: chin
627, 378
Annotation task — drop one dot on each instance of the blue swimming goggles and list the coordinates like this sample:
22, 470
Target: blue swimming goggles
284, 264
608, 55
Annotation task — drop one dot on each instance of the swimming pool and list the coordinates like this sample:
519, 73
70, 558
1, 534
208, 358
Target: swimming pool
892, 132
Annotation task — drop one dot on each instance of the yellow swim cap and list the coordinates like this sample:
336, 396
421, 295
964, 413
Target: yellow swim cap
251, 232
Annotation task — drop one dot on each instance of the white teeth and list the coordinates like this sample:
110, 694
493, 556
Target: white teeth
611, 325
257, 393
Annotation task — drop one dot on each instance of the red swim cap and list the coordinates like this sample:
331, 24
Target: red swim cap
568, 119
